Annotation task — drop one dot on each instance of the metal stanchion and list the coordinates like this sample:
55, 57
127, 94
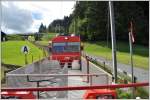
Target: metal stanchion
26, 62
87, 68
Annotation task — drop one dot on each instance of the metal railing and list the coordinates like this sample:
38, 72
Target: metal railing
123, 76
78, 87
58, 75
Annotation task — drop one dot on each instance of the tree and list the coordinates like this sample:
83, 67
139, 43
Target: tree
90, 20
60, 25
42, 28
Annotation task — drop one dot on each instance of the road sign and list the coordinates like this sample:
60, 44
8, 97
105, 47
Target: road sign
25, 49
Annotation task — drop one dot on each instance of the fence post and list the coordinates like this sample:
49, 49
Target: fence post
125, 72
107, 78
104, 65
39, 57
135, 79
32, 58
125, 80
87, 68
5, 76
91, 80
43, 51
26, 62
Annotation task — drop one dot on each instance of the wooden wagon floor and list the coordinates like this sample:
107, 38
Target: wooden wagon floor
76, 81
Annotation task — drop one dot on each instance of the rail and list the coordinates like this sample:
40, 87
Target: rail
66, 88
52, 75
89, 80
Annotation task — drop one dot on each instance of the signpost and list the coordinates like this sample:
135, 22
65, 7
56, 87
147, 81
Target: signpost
25, 50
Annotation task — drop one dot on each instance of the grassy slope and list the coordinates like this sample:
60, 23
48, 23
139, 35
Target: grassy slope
44, 43
46, 38
140, 57
11, 52
2, 73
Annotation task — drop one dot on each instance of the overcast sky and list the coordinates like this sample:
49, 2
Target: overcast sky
26, 16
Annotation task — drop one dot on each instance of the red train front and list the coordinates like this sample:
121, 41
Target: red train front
66, 48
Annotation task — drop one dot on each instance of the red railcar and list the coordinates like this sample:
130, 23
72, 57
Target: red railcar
18, 95
100, 94
66, 48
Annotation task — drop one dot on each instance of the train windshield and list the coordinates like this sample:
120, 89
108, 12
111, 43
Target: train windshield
66, 47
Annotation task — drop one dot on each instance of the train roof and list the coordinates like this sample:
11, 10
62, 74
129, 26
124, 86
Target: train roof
66, 38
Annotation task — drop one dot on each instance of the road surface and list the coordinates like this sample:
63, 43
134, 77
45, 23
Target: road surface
141, 74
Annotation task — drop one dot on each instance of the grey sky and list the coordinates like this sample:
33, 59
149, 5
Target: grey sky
26, 16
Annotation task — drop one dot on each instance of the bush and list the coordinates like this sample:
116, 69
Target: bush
123, 95
141, 92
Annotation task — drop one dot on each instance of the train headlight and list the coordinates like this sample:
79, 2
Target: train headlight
67, 58
66, 38
72, 35
4, 92
22, 92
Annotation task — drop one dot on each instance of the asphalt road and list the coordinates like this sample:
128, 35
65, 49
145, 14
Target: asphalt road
141, 74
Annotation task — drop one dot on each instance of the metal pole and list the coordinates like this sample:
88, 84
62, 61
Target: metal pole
65, 88
91, 81
131, 62
87, 69
38, 92
26, 59
113, 39
59, 27
108, 27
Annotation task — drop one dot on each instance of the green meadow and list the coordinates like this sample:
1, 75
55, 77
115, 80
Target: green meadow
140, 53
12, 54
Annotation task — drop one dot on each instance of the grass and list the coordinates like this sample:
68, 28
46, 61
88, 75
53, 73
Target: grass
140, 57
48, 36
44, 43
2, 73
11, 52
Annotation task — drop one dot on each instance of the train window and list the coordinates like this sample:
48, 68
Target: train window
66, 47
73, 47
58, 47
73, 43
59, 44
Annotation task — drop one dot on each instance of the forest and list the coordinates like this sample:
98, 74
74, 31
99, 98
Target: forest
90, 19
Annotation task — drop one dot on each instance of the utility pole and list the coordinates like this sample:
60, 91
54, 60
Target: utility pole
131, 61
108, 25
113, 39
